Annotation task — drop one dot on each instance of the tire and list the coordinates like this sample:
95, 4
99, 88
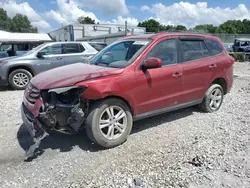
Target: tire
16, 73
97, 111
205, 105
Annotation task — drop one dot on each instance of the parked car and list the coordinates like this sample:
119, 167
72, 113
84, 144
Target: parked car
133, 78
17, 71
241, 45
229, 47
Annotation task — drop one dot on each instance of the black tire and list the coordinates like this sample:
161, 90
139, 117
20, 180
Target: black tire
92, 123
11, 78
205, 105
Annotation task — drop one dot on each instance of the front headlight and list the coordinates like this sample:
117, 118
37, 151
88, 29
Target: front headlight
65, 89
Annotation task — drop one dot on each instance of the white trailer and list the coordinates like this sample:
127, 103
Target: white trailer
101, 32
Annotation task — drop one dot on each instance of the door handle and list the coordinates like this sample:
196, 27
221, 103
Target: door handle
177, 75
59, 58
212, 66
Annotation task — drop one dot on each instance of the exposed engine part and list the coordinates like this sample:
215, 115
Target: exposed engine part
64, 111
77, 118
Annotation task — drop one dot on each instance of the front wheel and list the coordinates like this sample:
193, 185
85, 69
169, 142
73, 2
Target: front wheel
19, 79
213, 99
109, 122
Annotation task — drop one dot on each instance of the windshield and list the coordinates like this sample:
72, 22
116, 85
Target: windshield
120, 53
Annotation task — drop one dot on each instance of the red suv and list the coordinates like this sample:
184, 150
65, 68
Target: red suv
135, 77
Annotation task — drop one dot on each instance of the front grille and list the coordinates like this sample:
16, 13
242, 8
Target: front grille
32, 93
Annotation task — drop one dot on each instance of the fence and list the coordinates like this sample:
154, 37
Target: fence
229, 38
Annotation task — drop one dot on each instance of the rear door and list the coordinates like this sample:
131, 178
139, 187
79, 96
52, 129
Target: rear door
74, 53
53, 58
198, 68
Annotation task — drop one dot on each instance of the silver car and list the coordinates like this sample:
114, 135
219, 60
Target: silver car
17, 71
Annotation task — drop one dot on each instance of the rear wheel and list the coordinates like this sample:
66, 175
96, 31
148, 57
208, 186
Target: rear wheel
213, 99
109, 123
19, 79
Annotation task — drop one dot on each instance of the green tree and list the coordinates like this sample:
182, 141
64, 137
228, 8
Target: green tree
5, 21
21, 23
151, 25
246, 24
180, 28
85, 20
205, 28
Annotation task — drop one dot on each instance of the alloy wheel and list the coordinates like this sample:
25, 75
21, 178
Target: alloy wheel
113, 122
20, 79
215, 99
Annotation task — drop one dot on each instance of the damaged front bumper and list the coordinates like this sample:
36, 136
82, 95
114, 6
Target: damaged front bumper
34, 128
51, 111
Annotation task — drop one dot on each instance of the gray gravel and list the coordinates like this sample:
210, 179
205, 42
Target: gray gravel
186, 148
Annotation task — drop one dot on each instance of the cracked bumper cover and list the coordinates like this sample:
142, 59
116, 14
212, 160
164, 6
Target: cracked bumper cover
31, 124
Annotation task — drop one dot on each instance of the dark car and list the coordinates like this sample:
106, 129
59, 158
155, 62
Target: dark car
241, 45
133, 78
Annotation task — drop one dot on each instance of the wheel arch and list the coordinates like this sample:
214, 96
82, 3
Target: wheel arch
122, 99
25, 67
222, 82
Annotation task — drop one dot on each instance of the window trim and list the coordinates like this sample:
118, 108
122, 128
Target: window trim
182, 54
165, 39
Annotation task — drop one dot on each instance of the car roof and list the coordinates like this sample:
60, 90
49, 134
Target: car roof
73, 42
243, 39
165, 34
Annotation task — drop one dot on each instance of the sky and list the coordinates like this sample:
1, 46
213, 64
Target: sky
48, 15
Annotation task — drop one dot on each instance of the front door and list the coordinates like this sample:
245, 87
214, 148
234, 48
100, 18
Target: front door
53, 58
160, 87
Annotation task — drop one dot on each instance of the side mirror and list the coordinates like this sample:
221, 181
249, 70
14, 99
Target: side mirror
152, 63
40, 54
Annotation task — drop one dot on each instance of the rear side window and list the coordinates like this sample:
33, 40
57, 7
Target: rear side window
193, 50
214, 46
98, 46
73, 48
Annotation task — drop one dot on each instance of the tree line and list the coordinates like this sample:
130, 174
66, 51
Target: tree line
229, 27
19, 23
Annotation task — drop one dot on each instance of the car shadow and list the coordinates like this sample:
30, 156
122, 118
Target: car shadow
5, 88
65, 143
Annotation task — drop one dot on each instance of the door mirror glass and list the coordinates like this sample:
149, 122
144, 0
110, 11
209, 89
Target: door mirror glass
152, 63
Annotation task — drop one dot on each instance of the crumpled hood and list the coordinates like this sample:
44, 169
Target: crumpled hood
70, 74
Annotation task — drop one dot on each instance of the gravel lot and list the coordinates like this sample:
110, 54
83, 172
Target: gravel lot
185, 148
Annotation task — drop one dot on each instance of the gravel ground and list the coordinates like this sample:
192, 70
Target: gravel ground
185, 148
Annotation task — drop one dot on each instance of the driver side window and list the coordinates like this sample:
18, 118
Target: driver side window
166, 51
53, 50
